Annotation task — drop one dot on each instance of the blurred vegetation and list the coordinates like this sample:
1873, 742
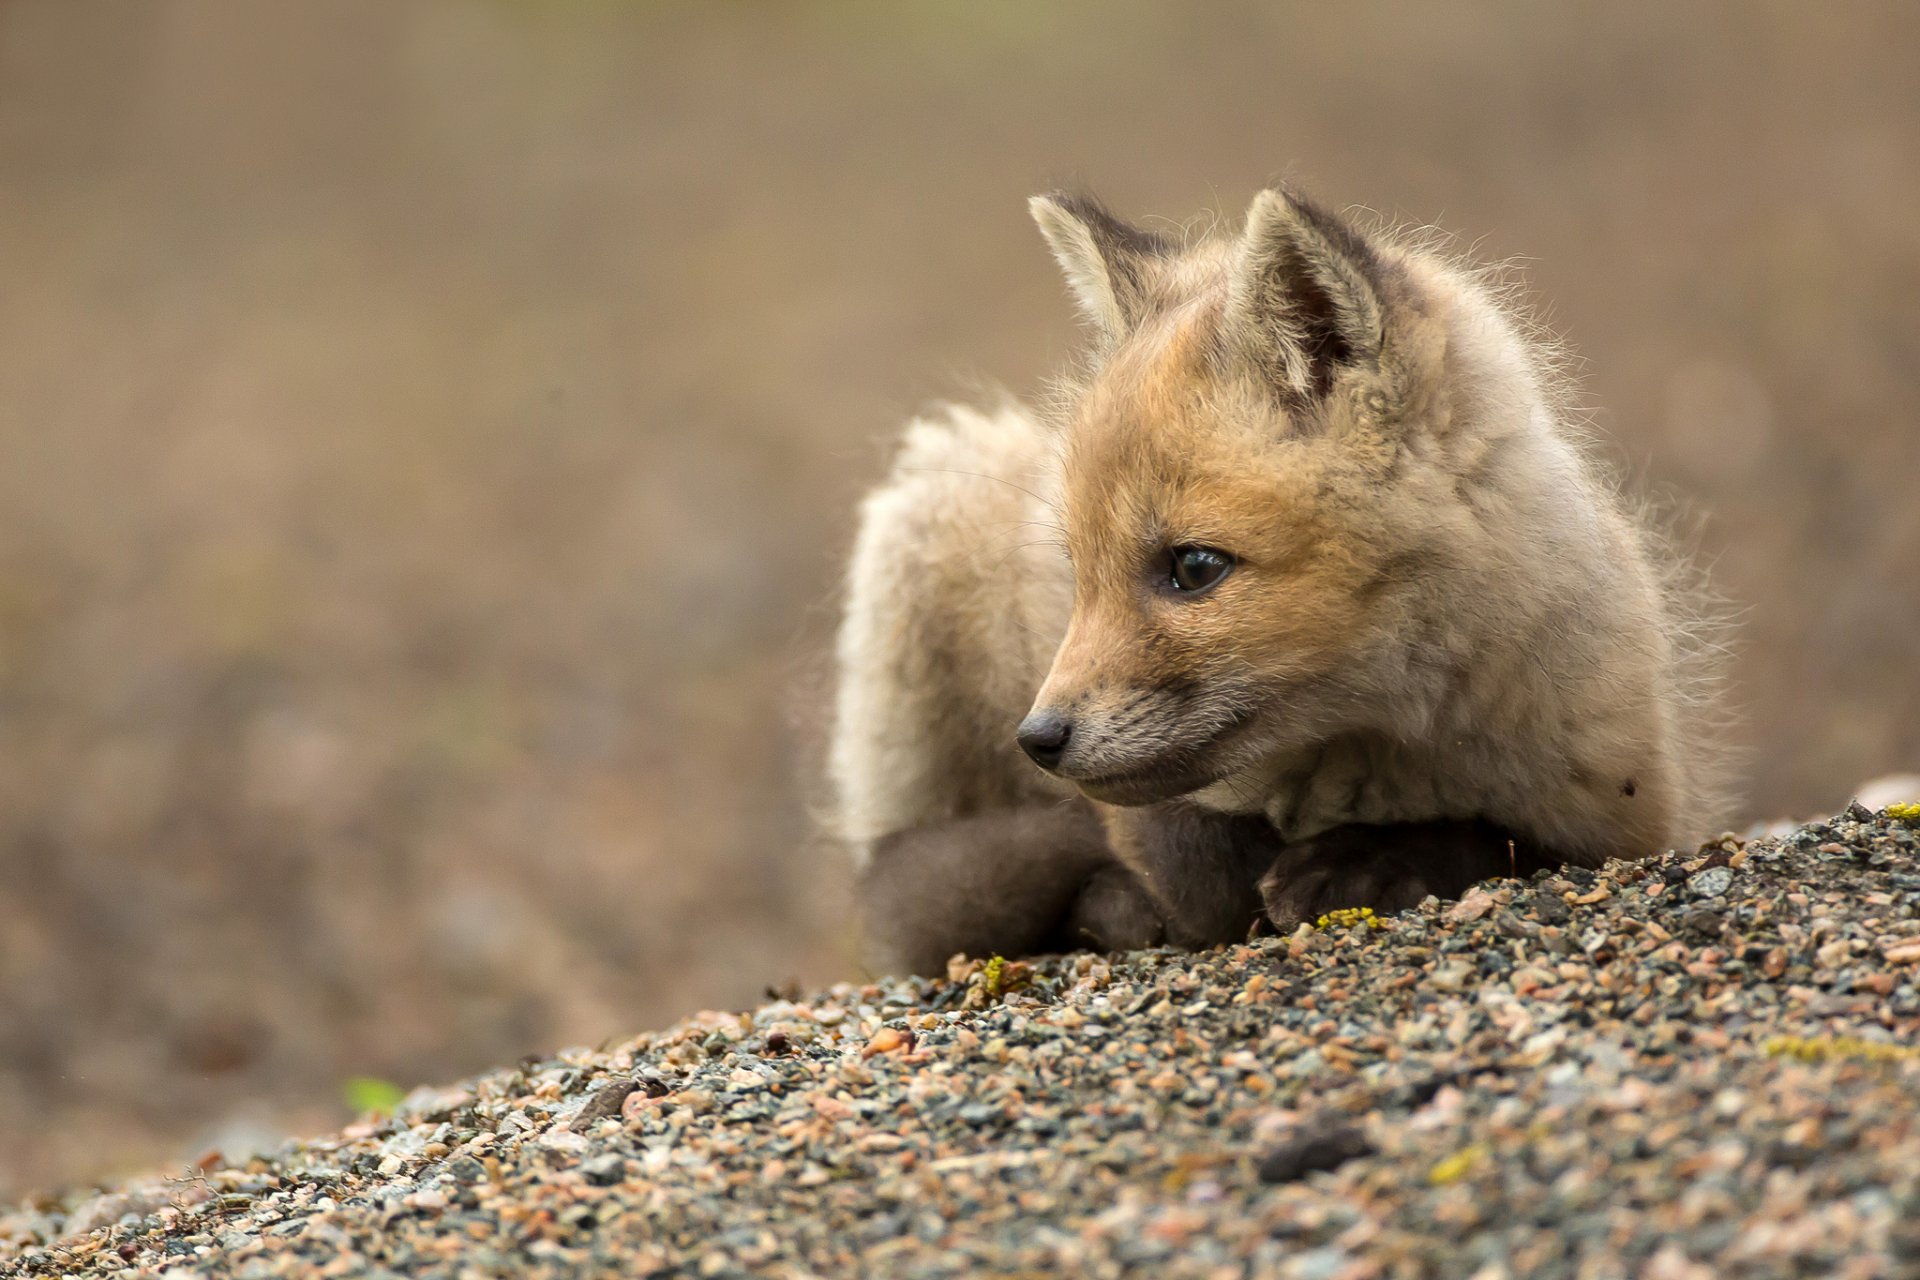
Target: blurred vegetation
366, 1094
431, 431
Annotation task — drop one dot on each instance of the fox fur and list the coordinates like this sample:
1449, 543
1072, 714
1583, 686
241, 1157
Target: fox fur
1444, 648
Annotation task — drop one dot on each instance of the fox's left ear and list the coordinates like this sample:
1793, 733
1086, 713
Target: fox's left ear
1303, 299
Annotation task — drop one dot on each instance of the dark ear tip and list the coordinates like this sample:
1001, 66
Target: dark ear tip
1328, 225
1285, 190
1295, 205
1084, 206
1307, 207
1111, 231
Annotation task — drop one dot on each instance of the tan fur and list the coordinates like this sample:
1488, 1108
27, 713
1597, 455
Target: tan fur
1439, 609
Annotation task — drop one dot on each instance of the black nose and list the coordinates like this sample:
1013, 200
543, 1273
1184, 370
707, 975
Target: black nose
1043, 736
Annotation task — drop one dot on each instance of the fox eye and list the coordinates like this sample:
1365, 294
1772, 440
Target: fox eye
1195, 569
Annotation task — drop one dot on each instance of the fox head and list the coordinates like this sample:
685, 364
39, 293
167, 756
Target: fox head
1257, 475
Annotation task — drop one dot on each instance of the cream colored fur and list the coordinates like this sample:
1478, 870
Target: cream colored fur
1543, 666
956, 599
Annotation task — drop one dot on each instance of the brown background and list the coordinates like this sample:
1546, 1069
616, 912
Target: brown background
428, 434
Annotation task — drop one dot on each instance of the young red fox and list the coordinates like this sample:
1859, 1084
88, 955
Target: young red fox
1307, 600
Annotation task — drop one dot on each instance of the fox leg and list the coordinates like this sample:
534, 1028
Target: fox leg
1390, 867
956, 600
1216, 876
1112, 913
1197, 866
1011, 882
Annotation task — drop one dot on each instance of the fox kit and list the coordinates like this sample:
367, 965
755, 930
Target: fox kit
1303, 597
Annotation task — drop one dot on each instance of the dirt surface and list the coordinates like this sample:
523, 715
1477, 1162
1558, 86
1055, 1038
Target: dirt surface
1703, 1066
429, 434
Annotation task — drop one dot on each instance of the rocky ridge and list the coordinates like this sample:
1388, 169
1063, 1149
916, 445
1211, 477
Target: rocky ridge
1706, 1065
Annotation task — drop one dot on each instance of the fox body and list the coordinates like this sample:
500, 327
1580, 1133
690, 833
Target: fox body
1302, 596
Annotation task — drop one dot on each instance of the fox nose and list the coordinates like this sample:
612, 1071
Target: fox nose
1043, 736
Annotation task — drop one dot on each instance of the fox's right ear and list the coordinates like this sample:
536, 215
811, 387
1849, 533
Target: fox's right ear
1109, 264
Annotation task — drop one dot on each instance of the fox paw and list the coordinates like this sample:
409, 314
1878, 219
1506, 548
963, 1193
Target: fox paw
1113, 913
1342, 868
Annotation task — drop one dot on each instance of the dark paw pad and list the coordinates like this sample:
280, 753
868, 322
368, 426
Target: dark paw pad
1335, 871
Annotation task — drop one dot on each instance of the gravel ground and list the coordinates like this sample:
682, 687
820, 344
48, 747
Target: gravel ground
1705, 1066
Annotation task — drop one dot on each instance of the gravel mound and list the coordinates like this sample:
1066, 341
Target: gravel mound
1703, 1066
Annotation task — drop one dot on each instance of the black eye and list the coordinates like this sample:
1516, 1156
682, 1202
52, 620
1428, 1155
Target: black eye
1197, 568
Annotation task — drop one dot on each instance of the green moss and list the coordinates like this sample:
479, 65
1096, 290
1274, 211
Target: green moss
994, 975
1350, 918
369, 1093
1838, 1049
1458, 1165
996, 978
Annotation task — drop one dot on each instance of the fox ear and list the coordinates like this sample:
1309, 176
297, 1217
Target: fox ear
1302, 300
1109, 264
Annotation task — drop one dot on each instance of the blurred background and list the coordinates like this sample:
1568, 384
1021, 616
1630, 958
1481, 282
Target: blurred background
428, 437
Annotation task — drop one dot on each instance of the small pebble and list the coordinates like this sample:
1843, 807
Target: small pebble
1712, 882
1313, 1148
604, 1104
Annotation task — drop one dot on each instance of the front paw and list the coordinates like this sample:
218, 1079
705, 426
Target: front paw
1113, 913
1342, 868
